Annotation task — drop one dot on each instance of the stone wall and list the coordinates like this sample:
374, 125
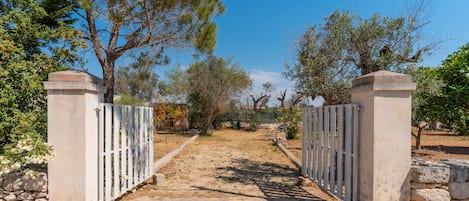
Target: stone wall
20, 186
445, 180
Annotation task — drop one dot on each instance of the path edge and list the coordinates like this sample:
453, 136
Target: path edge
297, 163
168, 157
290, 156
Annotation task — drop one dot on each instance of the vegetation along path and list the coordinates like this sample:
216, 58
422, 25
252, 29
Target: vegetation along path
230, 165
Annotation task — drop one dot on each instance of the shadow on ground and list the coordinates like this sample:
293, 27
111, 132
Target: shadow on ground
448, 149
265, 175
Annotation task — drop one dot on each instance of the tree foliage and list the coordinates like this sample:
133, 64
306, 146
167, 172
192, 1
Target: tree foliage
290, 116
174, 90
36, 38
454, 101
330, 55
210, 86
424, 100
116, 27
139, 79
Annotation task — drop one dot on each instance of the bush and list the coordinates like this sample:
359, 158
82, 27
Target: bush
27, 149
252, 118
291, 118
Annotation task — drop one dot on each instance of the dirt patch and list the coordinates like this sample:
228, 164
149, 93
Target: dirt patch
230, 165
165, 143
436, 145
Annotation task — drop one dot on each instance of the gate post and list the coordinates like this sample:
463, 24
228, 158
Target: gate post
384, 135
72, 126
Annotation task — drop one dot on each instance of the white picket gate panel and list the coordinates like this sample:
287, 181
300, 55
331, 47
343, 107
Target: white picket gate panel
125, 149
330, 148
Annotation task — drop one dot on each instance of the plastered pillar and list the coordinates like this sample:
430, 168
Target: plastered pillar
72, 125
384, 135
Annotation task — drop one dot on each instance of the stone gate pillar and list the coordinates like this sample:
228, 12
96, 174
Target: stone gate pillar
384, 135
72, 125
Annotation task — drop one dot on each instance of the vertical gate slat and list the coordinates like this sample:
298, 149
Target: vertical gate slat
130, 163
141, 154
304, 139
135, 156
320, 146
309, 145
326, 147
144, 145
348, 153
108, 138
123, 148
152, 133
147, 144
101, 154
333, 149
339, 150
355, 153
314, 149
309, 128
115, 153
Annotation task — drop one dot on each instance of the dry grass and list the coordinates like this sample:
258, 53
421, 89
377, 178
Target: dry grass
165, 143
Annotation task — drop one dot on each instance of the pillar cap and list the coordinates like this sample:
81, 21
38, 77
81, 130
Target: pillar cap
383, 81
74, 80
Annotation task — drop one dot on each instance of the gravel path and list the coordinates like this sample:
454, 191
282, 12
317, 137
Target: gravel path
230, 165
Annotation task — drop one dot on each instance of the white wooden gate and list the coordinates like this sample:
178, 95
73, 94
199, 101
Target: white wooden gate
330, 152
125, 149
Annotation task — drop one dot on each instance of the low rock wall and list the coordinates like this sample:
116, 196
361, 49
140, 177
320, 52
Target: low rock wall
445, 180
20, 186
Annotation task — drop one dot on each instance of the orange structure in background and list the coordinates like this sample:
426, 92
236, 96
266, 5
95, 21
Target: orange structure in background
171, 116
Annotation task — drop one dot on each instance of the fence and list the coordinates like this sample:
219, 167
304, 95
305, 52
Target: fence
330, 148
125, 148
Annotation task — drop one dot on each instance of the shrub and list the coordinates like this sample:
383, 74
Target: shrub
291, 118
27, 149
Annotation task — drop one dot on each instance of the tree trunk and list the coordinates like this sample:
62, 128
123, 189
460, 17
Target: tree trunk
418, 138
108, 81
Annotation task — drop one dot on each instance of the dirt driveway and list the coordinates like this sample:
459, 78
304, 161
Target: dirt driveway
230, 165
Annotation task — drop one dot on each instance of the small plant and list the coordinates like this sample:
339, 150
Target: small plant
27, 150
291, 118
252, 119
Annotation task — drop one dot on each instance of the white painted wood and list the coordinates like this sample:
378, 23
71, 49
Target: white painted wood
326, 147
314, 150
348, 153
141, 158
330, 140
304, 135
310, 138
309, 145
123, 157
333, 149
125, 145
101, 153
152, 144
108, 139
130, 164
320, 146
340, 144
135, 145
115, 151
355, 153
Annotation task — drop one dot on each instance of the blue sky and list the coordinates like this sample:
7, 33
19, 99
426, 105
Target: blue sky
260, 34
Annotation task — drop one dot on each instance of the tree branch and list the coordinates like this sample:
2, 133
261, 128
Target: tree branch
97, 46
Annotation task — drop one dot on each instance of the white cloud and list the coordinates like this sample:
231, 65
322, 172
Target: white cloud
277, 79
